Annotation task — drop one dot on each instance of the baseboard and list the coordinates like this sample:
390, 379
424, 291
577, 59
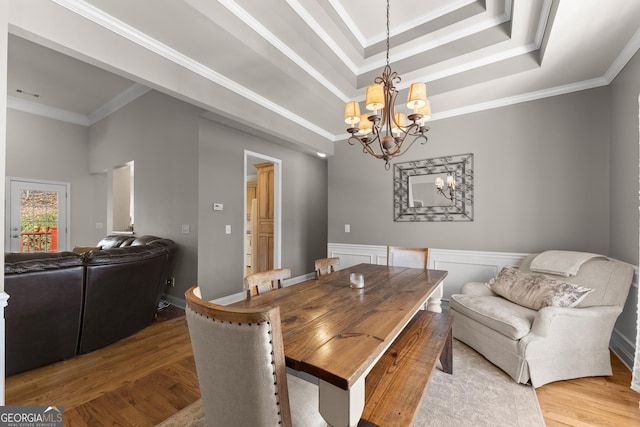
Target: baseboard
622, 347
173, 300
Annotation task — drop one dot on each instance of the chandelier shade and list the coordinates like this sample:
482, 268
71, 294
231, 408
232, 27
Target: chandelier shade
383, 133
417, 96
375, 97
351, 113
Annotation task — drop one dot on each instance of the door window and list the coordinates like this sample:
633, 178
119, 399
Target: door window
38, 216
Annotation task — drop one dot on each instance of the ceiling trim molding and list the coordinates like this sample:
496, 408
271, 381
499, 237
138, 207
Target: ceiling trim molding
545, 13
324, 36
88, 11
138, 37
380, 63
625, 56
398, 29
525, 97
46, 111
130, 94
263, 32
511, 100
467, 31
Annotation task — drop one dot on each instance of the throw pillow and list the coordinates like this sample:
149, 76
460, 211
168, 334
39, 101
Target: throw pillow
82, 249
534, 290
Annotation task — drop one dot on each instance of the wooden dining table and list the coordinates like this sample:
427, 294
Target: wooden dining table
337, 333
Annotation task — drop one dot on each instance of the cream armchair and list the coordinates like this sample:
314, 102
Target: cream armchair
566, 338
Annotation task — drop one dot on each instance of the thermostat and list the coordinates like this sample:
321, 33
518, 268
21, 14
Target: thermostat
217, 206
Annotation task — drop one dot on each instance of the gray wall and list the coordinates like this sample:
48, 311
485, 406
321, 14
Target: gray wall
160, 134
304, 211
624, 181
170, 144
541, 181
557, 173
45, 149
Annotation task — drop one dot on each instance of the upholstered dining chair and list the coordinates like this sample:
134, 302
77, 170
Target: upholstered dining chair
326, 266
240, 363
265, 281
407, 257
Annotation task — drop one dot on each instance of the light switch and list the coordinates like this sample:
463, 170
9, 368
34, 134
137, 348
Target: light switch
99, 225
186, 229
227, 229
347, 228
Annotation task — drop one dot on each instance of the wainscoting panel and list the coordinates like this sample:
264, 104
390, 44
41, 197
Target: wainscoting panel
463, 266
357, 254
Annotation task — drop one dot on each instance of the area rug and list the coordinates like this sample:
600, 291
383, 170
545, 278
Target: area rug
477, 394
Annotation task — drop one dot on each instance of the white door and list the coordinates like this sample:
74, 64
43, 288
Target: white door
37, 216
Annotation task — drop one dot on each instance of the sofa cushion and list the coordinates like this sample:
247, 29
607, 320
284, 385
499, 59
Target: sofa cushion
535, 290
505, 317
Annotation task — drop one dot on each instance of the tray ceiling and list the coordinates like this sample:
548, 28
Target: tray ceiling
289, 65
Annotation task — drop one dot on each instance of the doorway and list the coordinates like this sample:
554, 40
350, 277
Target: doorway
262, 212
37, 220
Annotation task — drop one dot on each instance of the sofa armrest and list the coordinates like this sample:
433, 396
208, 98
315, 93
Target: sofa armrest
478, 289
568, 322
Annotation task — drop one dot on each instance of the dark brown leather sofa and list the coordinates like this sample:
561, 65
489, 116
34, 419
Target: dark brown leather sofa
63, 304
42, 318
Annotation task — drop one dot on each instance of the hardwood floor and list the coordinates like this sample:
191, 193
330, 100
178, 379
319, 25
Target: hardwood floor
592, 401
147, 377
138, 381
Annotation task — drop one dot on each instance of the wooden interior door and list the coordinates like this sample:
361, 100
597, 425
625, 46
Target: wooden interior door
264, 241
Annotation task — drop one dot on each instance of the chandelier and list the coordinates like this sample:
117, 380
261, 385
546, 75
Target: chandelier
383, 133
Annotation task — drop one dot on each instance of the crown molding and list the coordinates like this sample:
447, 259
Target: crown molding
625, 56
132, 34
399, 29
263, 32
107, 21
511, 100
133, 92
46, 111
324, 36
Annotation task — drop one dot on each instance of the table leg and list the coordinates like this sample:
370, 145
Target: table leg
435, 300
341, 408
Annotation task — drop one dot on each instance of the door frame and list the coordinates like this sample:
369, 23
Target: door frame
8, 205
277, 207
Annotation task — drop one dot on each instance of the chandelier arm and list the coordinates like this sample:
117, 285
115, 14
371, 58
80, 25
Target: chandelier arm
365, 146
401, 152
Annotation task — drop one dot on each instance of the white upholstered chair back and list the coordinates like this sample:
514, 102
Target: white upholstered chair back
240, 363
609, 278
407, 257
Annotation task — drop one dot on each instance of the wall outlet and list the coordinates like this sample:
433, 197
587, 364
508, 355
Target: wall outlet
171, 281
347, 228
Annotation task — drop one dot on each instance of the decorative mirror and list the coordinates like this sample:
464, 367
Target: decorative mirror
438, 189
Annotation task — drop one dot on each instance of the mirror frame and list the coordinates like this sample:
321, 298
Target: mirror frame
460, 209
